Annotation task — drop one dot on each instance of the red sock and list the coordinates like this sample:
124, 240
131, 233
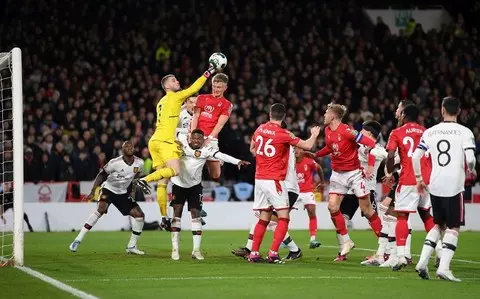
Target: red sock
312, 225
375, 224
339, 222
401, 230
279, 234
258, 234
428, 222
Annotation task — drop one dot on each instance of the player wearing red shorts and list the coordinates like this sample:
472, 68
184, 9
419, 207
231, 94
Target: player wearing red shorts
341, 143
271, 144
210, 115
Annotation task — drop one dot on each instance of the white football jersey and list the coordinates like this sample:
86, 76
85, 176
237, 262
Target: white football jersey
447, 143
192, 162
380, 155
184, 121
291, 177
120, 174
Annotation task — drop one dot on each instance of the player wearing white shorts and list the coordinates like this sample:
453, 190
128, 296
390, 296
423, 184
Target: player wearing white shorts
116, 179
272, 148
341, 143
451, 146
187, 187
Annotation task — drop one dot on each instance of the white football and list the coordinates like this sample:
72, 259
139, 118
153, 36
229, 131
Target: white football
218, 59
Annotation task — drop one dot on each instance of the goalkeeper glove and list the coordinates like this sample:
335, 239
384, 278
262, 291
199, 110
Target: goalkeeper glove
166, 224
211, 70
143, 185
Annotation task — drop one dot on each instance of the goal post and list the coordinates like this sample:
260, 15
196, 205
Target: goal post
11, 150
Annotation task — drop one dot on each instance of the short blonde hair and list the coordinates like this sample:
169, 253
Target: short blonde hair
220, 77
339, 110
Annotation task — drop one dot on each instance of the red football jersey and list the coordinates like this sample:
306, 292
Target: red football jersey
343, 146
210, 110
305, 169
272, 149
406, 139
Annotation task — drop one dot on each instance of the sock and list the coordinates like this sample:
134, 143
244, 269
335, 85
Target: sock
438, 249
197, 233
382, 245
429, 245
162, 173
401, 234
391, 238
91, 221
288, 241
175, 234
279, 233
339, 241
408, 244
312, 226
375, 223
136, 232
258, 234
450, 241
339, 222
250, 237
25, 218
162, 199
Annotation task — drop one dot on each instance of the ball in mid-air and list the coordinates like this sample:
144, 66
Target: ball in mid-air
219, 60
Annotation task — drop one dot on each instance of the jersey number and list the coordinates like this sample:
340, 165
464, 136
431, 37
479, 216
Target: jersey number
266, 148
443, 146
409, 141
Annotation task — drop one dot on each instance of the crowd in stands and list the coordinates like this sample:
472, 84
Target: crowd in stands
92, 71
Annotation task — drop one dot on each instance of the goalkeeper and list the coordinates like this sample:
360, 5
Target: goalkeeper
164, 150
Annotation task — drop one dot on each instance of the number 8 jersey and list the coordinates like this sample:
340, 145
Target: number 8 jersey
406, 139
272, 149
447, 143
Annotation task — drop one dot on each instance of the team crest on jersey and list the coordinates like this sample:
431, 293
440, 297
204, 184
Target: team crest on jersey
135, 169
197, 154
220, 104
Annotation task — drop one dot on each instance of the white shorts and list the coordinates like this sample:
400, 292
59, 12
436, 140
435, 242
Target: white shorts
214, 144
270, 194
342, 182
291, 182
407, 199
305, 199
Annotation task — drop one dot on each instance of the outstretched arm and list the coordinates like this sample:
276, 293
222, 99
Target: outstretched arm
230, 159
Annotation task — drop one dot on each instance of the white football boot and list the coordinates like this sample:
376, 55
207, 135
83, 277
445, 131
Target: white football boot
347, 247
447, 275
74, 246
197, 255
175, 255
134, 250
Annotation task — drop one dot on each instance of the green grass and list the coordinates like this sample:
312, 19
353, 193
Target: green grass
101, 268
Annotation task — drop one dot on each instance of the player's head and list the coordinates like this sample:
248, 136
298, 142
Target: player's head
196, 139
190, 104
334, 112
219, 84
170, 83
401, 105
277, 112
372, 129
127, 148
450, 107
410, 113
299, 153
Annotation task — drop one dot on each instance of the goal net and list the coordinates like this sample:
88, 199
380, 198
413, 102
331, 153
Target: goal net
11, 158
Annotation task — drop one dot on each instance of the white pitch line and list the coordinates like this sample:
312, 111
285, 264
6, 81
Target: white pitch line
60, 285
374, 250
230, 278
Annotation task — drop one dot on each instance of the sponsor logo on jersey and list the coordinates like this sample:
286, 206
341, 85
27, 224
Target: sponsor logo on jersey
209, 108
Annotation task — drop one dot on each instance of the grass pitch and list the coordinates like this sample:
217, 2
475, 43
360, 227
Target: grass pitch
102, 268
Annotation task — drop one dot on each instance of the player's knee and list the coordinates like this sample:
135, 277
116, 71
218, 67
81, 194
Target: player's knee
311, 211
195, 213
333, 207
102, 208
424, 214
283, 214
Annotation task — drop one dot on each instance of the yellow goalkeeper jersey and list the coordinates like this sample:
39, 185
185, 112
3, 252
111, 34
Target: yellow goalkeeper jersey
168, 111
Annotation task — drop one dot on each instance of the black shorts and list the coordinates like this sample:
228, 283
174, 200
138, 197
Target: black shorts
349, 205
448, 210
123, 202
192, 195
392, 191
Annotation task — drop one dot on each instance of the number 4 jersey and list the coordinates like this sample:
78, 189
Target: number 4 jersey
406, 139
447, 143
272, 149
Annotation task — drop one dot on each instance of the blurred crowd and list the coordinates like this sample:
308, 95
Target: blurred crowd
92, 71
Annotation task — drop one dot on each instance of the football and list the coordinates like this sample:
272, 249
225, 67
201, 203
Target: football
219, 60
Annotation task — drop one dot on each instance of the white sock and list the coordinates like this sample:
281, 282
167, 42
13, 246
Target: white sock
176, 228
250, 237
383, 239
91, 221
438, 248
382, 246
288, 241
391, 237
137, 228
429, 245
450, 241
312, 238
408, 244
345, 238
339, 242
197, 233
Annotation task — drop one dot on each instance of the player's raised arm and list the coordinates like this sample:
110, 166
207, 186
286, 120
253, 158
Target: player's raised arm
310, 142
